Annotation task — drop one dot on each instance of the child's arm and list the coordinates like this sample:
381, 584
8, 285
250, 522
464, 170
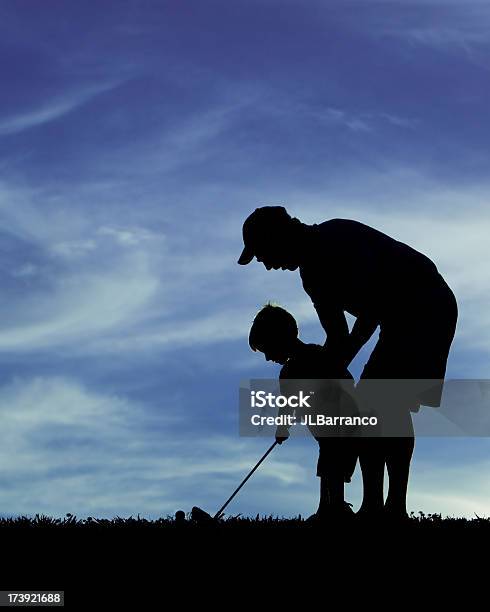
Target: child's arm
282, 431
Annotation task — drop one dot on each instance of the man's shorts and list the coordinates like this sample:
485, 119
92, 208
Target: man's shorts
414, 341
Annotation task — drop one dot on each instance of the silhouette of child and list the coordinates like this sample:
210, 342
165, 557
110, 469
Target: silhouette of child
274, 332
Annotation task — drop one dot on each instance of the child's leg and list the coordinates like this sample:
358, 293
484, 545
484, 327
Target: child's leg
321, 473
331, 494
324, 495
331, 472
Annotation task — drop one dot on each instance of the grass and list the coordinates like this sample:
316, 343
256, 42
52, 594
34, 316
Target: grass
127, 555
419, 521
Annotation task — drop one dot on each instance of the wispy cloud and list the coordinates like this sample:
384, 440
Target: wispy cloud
363, 121
114, 291
456, 239
329, 116
443, 26
403, 122
80, 306
68, 448
451, 490
53, 109
335, 116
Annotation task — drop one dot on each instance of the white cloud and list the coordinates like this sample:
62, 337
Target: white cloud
131, 288
74, 248
52, 110
444, 26
211, 299
90, 278
337, 116
431, 221
42, 218
129, 236
66, 448
25, 270
403, 122
358, 125
359, 121
79, 307
193, 138
453, 490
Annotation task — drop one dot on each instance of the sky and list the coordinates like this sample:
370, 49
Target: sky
135, 138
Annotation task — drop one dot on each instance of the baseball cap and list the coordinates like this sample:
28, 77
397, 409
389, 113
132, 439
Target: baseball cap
258, 227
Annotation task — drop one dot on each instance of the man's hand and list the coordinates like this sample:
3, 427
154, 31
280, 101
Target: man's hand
338, 358
281, 439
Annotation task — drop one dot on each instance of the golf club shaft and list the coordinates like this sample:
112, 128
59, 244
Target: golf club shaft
244, 480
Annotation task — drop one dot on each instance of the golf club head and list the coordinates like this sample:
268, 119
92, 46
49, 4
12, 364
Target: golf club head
199, 516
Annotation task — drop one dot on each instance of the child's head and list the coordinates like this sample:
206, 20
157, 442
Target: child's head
274, 332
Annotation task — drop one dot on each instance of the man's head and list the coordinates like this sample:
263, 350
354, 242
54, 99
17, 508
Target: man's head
271, 235
274, 332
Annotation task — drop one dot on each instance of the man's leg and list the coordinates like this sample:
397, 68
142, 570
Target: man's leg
372, 460
399, 453
371, 448
335, 490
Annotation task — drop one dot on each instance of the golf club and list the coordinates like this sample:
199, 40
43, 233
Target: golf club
220, 511
198, 514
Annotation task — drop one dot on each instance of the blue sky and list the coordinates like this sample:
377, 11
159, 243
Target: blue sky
135, 137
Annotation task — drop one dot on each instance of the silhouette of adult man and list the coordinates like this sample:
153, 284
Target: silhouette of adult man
346, 266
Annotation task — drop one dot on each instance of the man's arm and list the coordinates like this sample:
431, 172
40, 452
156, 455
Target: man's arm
339, 342
333, 321
364, 327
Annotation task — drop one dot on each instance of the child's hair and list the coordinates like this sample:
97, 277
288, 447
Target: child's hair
272, 323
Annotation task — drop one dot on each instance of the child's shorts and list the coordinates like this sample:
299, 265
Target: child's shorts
335, 454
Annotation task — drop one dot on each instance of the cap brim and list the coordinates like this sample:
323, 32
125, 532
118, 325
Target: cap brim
246, 256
